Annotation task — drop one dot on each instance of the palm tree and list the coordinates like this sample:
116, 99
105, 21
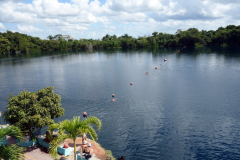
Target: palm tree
10, 151
50, 37
71, 130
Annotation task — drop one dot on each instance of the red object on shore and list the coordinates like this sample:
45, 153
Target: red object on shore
65, 145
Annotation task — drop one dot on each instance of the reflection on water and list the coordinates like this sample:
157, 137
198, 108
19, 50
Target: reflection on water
188, 108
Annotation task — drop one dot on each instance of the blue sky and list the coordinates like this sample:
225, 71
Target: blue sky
96, 18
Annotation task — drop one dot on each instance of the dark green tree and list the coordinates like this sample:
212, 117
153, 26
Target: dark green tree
31, 111
155, 34
4, 45
50, 37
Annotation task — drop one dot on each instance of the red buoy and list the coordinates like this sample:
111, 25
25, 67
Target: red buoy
65, 145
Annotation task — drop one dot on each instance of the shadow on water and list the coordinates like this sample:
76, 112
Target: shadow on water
229, 51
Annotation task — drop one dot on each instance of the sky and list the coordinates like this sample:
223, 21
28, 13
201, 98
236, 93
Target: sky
96, 18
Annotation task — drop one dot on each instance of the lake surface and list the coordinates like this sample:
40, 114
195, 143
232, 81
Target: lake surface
188, 108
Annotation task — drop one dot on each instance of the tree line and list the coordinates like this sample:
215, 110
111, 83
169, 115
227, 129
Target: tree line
15, 42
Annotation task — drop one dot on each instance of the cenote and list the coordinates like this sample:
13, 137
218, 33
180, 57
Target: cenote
187, 108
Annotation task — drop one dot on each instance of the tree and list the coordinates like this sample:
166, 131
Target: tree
71, 130
4, 45
50, 37
58, 37
62, 44
106, 37
155, 34
230, 27
33, 110
12, 151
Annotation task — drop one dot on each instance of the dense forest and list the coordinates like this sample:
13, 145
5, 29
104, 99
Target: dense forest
14, 42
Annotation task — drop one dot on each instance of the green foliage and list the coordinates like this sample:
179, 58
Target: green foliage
155, 34
11, 151
4, 45
50, 37
72, 129
11, 42
31, 111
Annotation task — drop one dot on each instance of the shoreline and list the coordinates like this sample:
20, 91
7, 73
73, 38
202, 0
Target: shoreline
37, 151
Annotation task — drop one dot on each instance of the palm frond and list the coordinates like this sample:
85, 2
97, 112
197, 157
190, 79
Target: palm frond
54, 144
11, 152
11, 131
90, 130
93, 120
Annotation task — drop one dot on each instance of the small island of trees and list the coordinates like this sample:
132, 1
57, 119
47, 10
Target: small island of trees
14, 42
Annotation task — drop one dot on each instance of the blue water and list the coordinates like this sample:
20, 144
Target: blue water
188, 108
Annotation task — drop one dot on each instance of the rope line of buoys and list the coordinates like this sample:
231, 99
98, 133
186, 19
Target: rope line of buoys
112, 100
181, 49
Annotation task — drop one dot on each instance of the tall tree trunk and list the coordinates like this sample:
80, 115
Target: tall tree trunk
75, 158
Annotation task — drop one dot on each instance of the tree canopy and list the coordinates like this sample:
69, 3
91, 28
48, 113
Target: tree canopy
14, 42
33, 110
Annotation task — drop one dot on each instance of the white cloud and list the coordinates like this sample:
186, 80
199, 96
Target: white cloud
139, 16
95, 7
72, 28
83, 4
2, 26
133, 17
134, 6
28, 29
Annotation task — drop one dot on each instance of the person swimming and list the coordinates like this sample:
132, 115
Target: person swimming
146, 73
85, 114
112, 100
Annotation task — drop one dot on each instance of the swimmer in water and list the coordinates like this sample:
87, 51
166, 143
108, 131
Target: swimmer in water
112, 100
146, 73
